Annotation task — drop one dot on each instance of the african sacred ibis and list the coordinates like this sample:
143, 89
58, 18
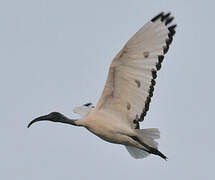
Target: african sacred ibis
128, 90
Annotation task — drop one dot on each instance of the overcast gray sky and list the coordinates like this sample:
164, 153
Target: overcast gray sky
55, 55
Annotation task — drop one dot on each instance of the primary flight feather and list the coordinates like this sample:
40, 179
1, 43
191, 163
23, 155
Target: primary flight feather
128, 90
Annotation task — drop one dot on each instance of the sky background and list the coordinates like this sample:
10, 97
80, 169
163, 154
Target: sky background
55, 55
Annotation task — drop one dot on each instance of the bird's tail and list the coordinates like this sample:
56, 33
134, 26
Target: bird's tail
149, 136
136, 152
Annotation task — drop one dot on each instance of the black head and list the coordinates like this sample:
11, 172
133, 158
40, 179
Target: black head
53, 116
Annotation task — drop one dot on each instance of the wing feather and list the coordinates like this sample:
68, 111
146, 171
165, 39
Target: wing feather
131, 78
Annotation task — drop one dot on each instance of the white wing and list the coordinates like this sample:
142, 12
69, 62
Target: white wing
83, 110
131, 78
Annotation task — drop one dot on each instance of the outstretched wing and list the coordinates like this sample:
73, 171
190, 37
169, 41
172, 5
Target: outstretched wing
131, 78
84, 109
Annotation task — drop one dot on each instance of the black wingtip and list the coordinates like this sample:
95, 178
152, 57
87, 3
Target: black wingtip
169, 20
165, 49
160, 58
153, 82
158, 66
160, 15
169, 41
154, 74
165, 16
173, 26
172, 30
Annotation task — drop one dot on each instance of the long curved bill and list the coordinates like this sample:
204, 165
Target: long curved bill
41, 118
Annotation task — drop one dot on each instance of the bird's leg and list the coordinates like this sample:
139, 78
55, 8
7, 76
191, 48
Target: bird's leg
147, 148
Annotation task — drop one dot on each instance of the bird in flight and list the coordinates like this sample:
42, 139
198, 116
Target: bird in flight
128, 91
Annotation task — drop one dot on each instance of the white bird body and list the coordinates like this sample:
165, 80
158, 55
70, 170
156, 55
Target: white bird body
107, 126
128, 90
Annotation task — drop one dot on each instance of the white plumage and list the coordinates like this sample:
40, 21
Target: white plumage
128, 90
83, 110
